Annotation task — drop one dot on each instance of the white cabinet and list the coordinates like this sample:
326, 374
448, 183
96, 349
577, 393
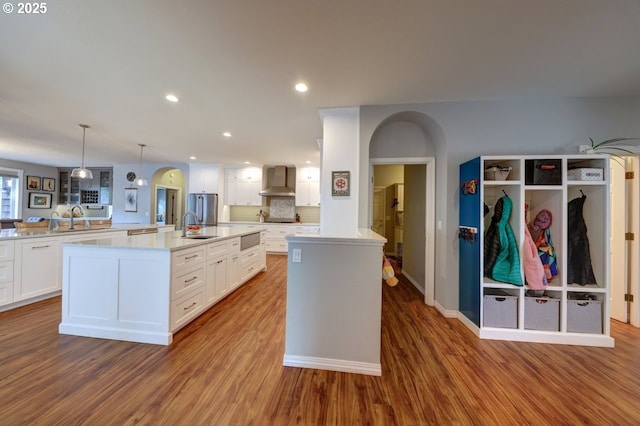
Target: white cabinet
490, 301
243, 186
217, 285
275, 241
37, 267
187, 285
233, 267
203, 178
6, 272
308, 186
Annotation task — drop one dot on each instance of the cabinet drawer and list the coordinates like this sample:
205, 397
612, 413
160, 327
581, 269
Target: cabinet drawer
277, 246
234, 245
186, 308
6, 271
278, 231
187, 258
249, 255
6, 250
216, 249
249, 269
187, 281
6, 293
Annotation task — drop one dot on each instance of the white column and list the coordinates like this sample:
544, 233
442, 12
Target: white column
340, 152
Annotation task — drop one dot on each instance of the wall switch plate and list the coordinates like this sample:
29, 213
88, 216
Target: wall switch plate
297, 256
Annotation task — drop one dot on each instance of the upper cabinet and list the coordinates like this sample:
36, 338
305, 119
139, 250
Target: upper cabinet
81, 191
203, 179
243, 186
308, 186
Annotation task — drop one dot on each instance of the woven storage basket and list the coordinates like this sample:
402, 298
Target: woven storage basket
497, 173
31, 226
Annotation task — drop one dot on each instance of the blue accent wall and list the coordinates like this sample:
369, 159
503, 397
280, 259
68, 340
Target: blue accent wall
469, 251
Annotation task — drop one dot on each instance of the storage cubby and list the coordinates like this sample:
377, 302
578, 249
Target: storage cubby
501, 310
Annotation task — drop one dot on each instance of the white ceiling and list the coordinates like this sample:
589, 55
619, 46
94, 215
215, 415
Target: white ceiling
233, 64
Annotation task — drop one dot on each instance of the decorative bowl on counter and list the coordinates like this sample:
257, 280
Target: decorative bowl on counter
194, 229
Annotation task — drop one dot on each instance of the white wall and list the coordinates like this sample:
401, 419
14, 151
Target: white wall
145, 205
460, 131
34, 170
340, 148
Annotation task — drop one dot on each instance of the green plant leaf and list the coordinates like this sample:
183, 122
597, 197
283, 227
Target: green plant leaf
610, 142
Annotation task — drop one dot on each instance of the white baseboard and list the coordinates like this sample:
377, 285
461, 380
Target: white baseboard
413, 281
332, 365
447, 313
469, 324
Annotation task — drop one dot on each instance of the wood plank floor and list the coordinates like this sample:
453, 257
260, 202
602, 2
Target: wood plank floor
225, 368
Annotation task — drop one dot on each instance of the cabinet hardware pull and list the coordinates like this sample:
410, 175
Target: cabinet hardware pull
250, 269
186, 308
38, 247
189, 280
191, 257
220, 261
251, 254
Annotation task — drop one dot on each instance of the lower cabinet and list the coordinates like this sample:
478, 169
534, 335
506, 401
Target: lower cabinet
37, 267
6, 272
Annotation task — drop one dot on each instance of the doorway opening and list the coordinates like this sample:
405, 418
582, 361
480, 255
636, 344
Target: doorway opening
624, 245
402, 209
167, 205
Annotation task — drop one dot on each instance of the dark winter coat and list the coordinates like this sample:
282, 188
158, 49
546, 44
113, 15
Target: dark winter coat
579, 269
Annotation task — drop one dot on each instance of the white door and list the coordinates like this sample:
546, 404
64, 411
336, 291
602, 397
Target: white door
618, 250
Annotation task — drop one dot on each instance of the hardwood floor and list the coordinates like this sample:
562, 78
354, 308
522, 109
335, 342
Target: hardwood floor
225, 368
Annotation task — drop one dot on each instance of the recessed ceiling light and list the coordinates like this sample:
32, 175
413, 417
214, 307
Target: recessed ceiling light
247, 162
171, 98
308, 162
301, 87
227, 134
192, 158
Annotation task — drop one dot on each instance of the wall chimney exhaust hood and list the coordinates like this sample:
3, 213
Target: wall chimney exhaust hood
277, 185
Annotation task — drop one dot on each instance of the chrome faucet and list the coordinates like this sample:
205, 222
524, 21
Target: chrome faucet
51, 219
77, 206
184, 221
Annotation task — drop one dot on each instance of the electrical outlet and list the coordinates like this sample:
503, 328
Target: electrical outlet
297, 255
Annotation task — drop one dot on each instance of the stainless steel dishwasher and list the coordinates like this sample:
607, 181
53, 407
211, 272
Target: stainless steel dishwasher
249, 240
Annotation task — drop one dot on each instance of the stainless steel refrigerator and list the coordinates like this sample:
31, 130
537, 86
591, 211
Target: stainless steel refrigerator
205, 206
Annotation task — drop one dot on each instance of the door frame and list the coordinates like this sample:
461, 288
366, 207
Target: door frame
429, 213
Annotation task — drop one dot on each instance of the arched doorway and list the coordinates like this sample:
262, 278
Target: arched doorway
409, 139
167, 196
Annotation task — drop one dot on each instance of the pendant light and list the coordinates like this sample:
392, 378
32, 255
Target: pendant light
82, 172
141, 181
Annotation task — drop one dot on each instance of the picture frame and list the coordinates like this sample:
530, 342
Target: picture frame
131, 199
33, 183
38, 200
48, 184
341, 183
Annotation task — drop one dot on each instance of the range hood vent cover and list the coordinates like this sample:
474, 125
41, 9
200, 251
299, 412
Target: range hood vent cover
278, 187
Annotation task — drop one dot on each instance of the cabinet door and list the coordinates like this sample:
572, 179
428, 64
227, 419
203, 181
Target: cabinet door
302, 193
104, 185
203, 179
37, 267
233, 271
217, 280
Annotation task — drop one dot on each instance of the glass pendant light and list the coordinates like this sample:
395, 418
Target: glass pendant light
82, 172
141, 181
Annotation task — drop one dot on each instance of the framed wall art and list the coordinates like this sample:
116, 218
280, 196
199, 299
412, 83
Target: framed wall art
33, 183
39, 201
131, 199
340, 184
48, 184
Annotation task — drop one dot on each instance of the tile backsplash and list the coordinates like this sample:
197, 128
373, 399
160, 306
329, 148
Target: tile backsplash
250, 213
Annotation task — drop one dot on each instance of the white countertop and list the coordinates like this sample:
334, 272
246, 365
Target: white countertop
14, 234
361, 236
233, 222
167, 240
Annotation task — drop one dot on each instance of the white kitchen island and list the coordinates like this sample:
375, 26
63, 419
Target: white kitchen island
144, 288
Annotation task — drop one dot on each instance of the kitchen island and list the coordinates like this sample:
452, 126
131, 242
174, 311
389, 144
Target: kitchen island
144, 288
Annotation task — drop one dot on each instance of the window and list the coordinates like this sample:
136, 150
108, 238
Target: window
10, 193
